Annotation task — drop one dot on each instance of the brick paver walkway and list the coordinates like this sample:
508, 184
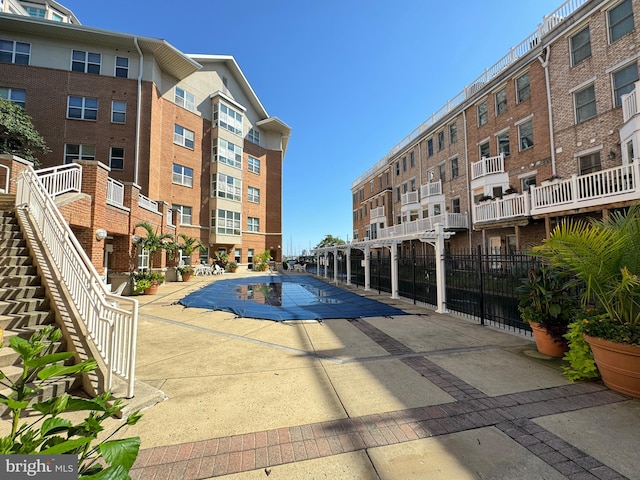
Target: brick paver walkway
472, 409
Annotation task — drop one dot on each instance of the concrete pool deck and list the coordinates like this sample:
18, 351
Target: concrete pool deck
419, 396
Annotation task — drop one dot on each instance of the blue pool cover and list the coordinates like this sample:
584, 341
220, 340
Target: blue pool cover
290, 297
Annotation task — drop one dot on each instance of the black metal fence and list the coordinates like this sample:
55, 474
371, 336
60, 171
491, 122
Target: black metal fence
479, 285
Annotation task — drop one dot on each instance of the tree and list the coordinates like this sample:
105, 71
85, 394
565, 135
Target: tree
153, 241
330, 241
18, 136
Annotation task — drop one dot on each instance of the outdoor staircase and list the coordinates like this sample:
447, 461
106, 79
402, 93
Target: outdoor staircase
24, 306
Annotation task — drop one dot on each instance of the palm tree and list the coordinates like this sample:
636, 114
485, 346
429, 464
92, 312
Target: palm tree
189, 245
152, 242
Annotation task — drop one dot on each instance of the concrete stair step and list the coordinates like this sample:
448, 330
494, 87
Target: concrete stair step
17, 270
15, 260
15, 293
13, 242
23, 305
14, 251
26, 319
20, 281
8, 357
58, 388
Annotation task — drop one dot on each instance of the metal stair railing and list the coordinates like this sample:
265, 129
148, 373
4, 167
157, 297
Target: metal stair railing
111, 320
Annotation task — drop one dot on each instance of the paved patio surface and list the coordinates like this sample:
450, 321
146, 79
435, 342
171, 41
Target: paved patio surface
418, 396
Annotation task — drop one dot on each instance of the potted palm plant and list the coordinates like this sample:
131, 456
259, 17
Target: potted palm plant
232, 266
605, 255
548, 302
262, 261
186, 271
153, 242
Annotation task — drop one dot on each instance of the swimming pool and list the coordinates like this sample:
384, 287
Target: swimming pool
288, 297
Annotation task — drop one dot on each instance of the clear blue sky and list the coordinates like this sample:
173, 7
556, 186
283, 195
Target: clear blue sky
351, 77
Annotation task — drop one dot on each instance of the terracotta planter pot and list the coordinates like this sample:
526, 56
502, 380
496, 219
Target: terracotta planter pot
186, 276
545, 342
619, 365
152, 290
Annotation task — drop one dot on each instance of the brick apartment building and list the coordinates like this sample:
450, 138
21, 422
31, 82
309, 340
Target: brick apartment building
550, 131
181, 141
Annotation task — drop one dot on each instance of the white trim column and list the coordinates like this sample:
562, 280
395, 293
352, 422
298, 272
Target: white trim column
440, 270
367, 268
325, 261
348, 255
393, 248
335, 265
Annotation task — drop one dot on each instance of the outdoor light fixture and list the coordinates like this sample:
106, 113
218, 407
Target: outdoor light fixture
135, 239
101, 234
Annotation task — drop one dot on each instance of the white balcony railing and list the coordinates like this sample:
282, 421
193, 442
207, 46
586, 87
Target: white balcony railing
409, 198
61, 179
377, 212
115, 192
630, 104
147, 203
431, 189
597, 188
447, 220
502, 209
487, 166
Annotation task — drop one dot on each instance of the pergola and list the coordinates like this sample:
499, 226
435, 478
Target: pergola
434, 238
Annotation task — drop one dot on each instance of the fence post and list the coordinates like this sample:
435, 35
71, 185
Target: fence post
481, 285
413, 255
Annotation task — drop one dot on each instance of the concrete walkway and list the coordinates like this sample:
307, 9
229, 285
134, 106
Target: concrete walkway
420, 396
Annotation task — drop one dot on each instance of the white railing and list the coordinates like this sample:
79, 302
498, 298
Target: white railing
409, 198
147, 203
592, 189
502, 209
115, 192
170, 218
447, 220
111, 320
630, 105
376, 212
431, 189
61, 179
549, 22
487, 166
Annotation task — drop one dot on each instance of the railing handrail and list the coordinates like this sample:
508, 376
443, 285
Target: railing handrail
61, 179
115, 192
630, 103
147, 203
111, 320
6, 186
549, 23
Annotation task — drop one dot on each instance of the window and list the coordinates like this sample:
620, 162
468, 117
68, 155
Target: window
442, 171
226, 186
412, 163
185, 99
237, 255
184, 214
623, 81
585, 104
503, 144
398, 194
589, 163
482, 114
455, 205
253, 165
15, 52
35, 12
85, 62
620, 20
437, 209
228, 153
227, 222
253, 195
501, 101
485, 151
580, 46
182, 175
143, 259
116, 158
253, 224
528, 182
254, 136
56, 18
14, 95
412, 187
525, 133
183, 137
79, 152
122, 67
227, 118
404, 167
430, 147
118, 111
440, 141
454, 167
523, 88
82, 108
453, 133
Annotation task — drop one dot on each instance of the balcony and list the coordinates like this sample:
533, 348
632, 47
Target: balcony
431, 189
509, 207
487, 166
409, 198
618, 184
630, 104
377, 214
450, 221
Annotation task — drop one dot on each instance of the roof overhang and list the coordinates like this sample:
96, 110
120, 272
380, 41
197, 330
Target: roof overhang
430, 237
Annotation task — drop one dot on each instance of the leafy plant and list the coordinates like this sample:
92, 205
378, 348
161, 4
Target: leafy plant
185, 269
141, 286
46, 431
232, 265
145, 279
153, 241
548, 296
605, 255
18, 136
262, 260
581, 363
